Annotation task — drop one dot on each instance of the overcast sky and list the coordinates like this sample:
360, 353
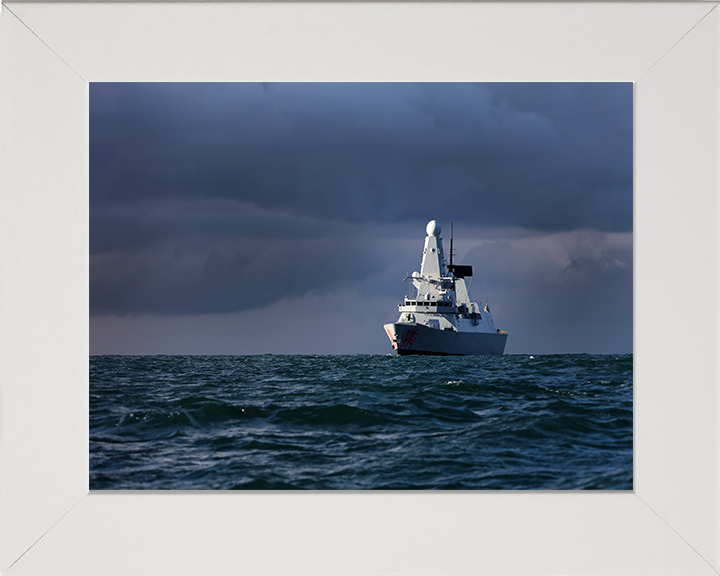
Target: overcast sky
282, 218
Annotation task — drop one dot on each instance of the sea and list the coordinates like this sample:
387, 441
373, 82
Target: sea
361, 422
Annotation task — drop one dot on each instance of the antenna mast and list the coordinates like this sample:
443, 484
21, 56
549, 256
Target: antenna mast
451, 245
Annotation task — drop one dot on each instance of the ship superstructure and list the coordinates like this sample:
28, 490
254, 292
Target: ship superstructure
441, 317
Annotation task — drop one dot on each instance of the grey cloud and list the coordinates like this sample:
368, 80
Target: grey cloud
572, 295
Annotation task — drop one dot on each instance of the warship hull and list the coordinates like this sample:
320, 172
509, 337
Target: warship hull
418, 339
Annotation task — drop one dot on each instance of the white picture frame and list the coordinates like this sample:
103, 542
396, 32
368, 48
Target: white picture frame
51, 524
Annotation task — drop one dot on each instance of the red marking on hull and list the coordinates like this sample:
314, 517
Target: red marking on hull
408, 338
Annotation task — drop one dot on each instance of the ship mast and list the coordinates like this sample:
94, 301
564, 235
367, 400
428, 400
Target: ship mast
452, 252
451, 245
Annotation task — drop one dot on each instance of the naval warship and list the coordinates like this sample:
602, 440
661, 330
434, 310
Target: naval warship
441, 318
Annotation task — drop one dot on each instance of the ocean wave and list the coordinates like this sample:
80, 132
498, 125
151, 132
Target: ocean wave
361, 422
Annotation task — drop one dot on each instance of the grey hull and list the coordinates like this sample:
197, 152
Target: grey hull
409, 339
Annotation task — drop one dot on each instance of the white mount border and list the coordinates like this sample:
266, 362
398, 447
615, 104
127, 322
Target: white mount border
48, 521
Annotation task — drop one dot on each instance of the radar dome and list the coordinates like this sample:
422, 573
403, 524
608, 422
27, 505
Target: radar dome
433, 228
416, 274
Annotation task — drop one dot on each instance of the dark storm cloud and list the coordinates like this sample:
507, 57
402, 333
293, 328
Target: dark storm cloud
228, 276
223, 197
374, 151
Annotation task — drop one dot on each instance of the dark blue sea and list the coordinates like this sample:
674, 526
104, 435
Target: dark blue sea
514, 422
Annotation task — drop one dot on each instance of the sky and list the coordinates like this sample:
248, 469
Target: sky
277, 218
